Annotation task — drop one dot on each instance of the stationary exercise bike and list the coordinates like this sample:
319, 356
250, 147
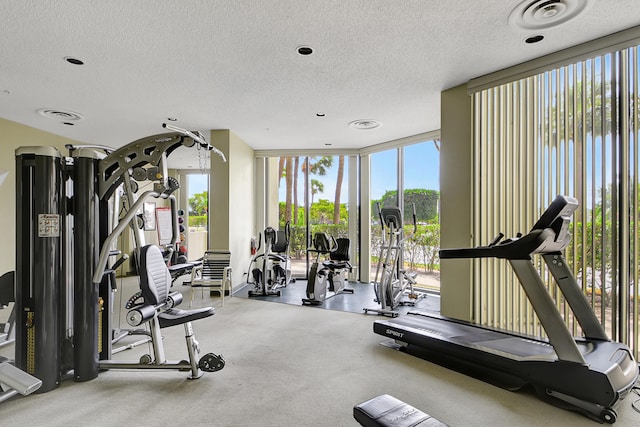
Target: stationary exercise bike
271, 270
328, 278
393, 284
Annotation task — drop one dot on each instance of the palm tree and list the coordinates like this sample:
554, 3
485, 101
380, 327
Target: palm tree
336, 203
296, 163
289, 181
316, 187
317, 168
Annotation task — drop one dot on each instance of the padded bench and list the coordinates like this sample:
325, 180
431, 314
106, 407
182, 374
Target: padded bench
386, 410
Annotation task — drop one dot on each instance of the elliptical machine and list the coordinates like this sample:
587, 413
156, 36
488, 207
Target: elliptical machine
393, 284
329, 278
271, 269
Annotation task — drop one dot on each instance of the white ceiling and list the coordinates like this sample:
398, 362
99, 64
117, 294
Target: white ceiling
233, 64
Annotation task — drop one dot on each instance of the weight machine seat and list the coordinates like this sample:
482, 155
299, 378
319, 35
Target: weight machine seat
155, 282
387, 411
173, 316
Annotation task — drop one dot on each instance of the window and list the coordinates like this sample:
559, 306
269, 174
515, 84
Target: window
384, 192
408, 176
571, 130
197, 222
313, 194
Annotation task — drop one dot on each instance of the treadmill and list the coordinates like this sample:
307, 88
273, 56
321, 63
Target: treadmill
589, 374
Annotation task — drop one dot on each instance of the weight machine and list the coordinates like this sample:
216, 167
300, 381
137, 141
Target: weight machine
67, 228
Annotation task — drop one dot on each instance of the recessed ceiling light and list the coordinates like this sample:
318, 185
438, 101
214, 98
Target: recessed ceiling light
320, 114
74, 61
305, 50
328, 144
364, 124
534, 39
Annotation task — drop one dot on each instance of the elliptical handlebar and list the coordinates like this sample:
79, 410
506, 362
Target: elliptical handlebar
415, 222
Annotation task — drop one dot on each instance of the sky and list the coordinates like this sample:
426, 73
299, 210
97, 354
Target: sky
421, 169
421, 165
197, 183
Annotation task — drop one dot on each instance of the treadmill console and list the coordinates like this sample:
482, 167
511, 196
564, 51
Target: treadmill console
561, 207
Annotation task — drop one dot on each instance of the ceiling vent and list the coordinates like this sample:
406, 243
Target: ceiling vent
61, 115
364, 124
543, 14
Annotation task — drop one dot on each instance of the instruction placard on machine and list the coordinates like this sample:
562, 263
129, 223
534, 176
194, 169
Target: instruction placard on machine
48, 225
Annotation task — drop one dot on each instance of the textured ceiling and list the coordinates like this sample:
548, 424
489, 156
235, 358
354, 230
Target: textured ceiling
233, 64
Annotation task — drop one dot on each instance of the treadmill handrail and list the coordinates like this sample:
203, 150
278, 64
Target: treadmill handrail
549, 234
517, 248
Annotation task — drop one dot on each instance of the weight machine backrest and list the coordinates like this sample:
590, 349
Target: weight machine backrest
155, 278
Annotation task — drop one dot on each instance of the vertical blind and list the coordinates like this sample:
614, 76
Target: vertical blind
571, 130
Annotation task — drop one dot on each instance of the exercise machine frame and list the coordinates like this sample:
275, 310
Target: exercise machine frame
67, 230
392, 283
270, 271
588, 374
327, 279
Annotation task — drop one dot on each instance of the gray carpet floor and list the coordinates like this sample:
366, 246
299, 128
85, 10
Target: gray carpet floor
286, 365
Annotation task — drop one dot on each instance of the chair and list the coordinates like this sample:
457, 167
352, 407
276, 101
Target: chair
214, 273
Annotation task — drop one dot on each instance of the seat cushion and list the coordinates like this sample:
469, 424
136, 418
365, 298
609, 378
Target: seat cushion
173, 316
386, 410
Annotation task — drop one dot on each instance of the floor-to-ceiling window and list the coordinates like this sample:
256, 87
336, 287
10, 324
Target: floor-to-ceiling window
408, 177
320, 193
313, 192
383, 192
573, 130
421, 190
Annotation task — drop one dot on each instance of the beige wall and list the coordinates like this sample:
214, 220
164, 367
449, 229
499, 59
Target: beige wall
232, 200
456, 161
12, 136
